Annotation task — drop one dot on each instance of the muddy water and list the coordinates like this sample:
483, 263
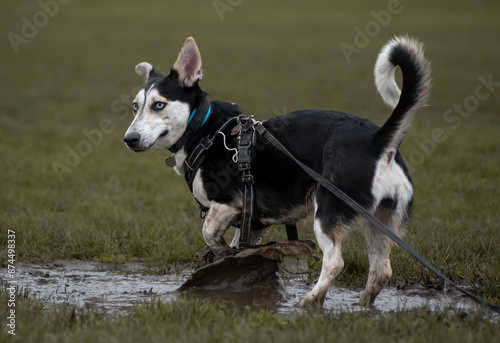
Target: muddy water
116, 287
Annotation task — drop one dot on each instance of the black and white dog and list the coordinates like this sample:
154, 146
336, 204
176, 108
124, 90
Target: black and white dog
360, 158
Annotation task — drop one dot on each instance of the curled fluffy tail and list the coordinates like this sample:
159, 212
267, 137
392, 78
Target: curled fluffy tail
408, 54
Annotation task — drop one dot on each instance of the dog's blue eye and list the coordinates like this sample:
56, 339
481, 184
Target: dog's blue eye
135, 107
159, 105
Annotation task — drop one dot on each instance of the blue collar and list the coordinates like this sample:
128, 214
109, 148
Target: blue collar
204, 119
195, 122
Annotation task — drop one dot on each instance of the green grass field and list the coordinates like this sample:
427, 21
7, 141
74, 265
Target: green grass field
70, 188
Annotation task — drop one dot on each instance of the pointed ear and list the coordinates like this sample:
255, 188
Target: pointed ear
188, 64
147, 70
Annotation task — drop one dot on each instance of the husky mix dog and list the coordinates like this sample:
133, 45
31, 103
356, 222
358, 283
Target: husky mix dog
172, 112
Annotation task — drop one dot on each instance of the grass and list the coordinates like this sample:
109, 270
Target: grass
74, 80
197, 321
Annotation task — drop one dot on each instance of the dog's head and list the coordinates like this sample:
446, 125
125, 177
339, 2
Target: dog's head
162, 107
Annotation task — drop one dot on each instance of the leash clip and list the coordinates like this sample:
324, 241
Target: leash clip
246, 122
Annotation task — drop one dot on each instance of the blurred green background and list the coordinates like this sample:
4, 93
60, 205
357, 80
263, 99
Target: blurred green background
70, 188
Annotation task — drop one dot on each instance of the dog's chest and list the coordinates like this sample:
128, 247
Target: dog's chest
199, 191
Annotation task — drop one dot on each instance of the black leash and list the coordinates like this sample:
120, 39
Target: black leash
365, 214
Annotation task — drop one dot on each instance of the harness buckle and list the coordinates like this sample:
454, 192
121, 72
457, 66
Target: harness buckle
245, 121
206, 143
242, 166
247, 179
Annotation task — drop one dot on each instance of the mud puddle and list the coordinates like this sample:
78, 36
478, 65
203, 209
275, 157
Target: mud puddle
115, 288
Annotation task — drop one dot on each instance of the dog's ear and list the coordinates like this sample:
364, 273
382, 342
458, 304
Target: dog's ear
188, 64
147, 70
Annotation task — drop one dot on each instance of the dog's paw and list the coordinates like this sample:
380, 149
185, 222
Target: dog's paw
211, 257
310, 302
208, 257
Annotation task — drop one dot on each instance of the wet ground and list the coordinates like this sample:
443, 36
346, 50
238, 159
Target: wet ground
116, 287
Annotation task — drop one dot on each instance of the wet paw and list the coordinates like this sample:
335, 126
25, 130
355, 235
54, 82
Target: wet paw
310, 302
210, 257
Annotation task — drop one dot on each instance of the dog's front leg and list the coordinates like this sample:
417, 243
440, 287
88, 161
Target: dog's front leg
219, 219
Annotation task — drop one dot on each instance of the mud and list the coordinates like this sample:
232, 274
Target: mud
251, 275
112, 287
251, 279
115, 288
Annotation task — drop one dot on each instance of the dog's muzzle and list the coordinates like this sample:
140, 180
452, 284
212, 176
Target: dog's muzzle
132, 139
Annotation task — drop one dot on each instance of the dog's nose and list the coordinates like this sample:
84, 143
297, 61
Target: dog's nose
132, 138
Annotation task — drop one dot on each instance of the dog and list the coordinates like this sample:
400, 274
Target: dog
359, 157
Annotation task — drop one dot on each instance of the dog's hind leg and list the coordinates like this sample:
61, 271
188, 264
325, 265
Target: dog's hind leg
329, 238
379, 248
219, 219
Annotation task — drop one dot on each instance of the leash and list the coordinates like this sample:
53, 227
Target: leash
367, 215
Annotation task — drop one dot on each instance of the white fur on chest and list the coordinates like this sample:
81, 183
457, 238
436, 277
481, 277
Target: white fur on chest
180, 157
199, 190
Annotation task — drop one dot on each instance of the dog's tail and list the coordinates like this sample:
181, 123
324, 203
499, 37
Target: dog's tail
408, 54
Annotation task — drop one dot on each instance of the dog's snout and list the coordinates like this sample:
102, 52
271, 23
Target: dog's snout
132, 138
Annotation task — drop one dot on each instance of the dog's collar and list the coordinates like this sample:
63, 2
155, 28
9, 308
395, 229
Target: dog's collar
196, 120
204, 119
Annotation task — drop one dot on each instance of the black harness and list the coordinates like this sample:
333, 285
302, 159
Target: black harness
193, 162
246, 143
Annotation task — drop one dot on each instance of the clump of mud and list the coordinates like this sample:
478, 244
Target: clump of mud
243, 280
250, 277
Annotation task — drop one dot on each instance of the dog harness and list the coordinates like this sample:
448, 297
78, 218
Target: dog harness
246, 142
244, 126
